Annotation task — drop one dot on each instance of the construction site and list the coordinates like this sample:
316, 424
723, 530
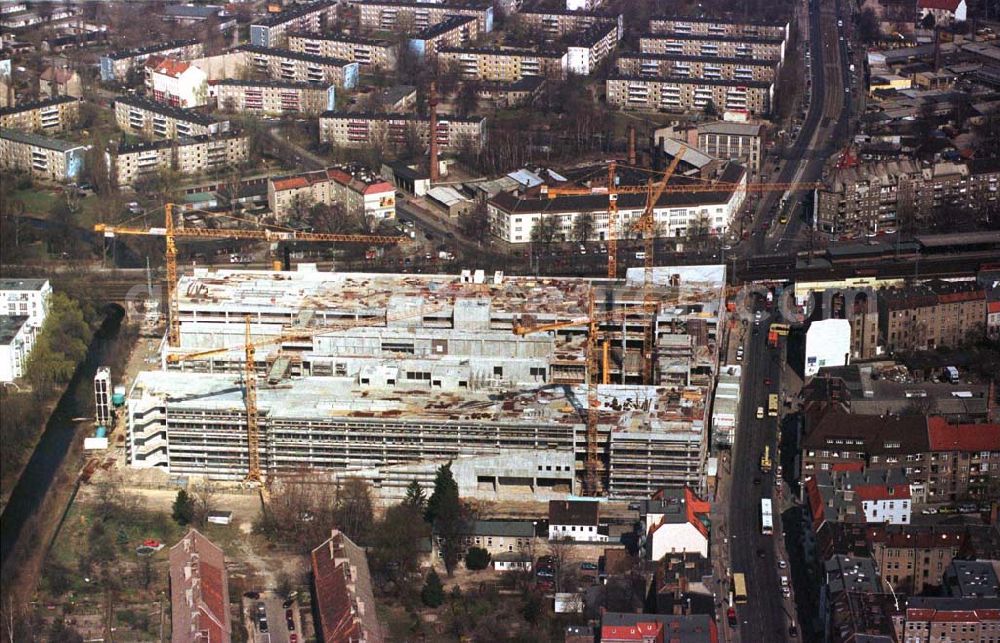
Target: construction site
534, 388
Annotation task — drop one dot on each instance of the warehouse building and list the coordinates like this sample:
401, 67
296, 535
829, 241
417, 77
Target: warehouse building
404, 370
271, 96
392, 131
43, 157
678, 94
49, 115
369, 53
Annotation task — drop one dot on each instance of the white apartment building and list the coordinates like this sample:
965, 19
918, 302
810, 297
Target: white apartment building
513, 216
17, 338
882, 503
178, 83
24, 305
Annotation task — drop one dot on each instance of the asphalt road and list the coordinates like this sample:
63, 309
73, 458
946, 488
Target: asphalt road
764, 617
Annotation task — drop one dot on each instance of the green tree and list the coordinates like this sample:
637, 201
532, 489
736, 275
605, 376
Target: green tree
477, 558
353, 512
415, 497
544, 230
583, 227
446, 513
183, 509
711, 109
396, 545
432, 594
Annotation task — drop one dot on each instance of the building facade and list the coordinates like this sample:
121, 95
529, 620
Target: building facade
726, 140
369, 53
178, 83
591, 47
709, 26
188, 155
152, 120
679, 94
311, 17
360, 129
660, 65
932, 315
116, 66
451, 32
503, 64
360, 192
409, 17
50, 115
553, 24
747, 47
271, 96
288, 65
43, 157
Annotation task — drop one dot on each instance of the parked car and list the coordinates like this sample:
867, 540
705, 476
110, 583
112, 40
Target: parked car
588, 566
929, 511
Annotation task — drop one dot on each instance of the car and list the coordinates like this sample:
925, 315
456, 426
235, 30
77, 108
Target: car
947, 510
783, 219
761, 553
782, 564
756, 481
929, 511
262, 625
760, 412
288, 603
793, 631
767, 381
787, 593
261, 609
253, 595
293, 638
757, 316
967, 509
731, 616
588, 566
290, 623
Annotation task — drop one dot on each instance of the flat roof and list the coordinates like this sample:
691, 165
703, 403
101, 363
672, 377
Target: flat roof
22, 284
720, 21
722, 60
10, 326
295, 55
38, 104
712, 38
177, 113
687, 80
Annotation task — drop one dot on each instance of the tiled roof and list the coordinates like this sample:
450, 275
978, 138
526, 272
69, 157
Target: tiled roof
573, 512
345, 602
171, 67
943, 5
962, 437
876, 492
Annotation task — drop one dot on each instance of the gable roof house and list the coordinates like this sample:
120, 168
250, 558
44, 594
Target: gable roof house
199, 591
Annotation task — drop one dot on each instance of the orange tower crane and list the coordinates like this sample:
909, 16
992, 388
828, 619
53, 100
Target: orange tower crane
172, 233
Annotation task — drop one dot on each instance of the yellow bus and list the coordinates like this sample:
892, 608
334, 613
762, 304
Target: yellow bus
739, 588
772, 405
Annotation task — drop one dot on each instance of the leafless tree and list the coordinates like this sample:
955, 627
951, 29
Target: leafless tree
204, 501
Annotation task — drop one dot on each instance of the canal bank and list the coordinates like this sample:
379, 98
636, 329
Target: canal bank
39, 498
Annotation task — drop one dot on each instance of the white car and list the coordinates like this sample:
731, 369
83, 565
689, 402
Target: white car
782, 564
929, 511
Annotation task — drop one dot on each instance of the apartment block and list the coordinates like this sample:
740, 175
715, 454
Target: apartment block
409, 17
757, 48
285, 64
726, 140
43, 157
360, 192
369, 53
345, 601
24, 305
17, 338
116, 66
192, 155
49, 115
274, 31
707, 26
177, 83
553, 23
513, 216
960, 620
421, 368
451, 32
359, 129
271, 96
678, 94
590, 47
199, 591
657, 65
885, 194
503, 64
144, 117
932, 315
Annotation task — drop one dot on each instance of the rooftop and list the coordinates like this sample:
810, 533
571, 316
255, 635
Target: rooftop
282, 84
851, 574
177, 113
722, 60
390, 116
345, 602
972, 578
10, 326
37, 140
574, 512
690, 80
296, 11
295, 55
199, 591
714, 20
38, 104
623, 626
713, 38
152, 49
452, 22
340, 37
23, 284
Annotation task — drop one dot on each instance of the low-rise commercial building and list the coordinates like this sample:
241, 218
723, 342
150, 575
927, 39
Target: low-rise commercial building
188, 155
410, 16
360, 192
311, 17
753, 47
143, 117
199, 591
59, 81
710, 26
734, 141
518, 94
674, 93
49, 115
285, 64
117, 65
513, 216
271, 96
369, 53
45, 158
658, 65
393, 131
503, 64
451, 32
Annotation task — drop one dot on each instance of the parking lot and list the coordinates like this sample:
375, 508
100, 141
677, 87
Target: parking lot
277, 625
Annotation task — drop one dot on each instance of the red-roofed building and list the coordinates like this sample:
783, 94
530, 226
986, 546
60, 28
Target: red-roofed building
993, 318
959, 620
360, 192
620, 627
944, 11
675, 521
177, 83
964, 455
199, 592
345, 602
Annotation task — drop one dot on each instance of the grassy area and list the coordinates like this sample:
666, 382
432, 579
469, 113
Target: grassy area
40, 203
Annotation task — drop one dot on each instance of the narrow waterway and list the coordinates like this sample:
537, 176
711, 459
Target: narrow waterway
60, 430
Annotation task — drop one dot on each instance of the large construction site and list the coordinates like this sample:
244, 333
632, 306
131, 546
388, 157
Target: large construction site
534, 388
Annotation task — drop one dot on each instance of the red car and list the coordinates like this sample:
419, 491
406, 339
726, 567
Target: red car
767, 381
731, 616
